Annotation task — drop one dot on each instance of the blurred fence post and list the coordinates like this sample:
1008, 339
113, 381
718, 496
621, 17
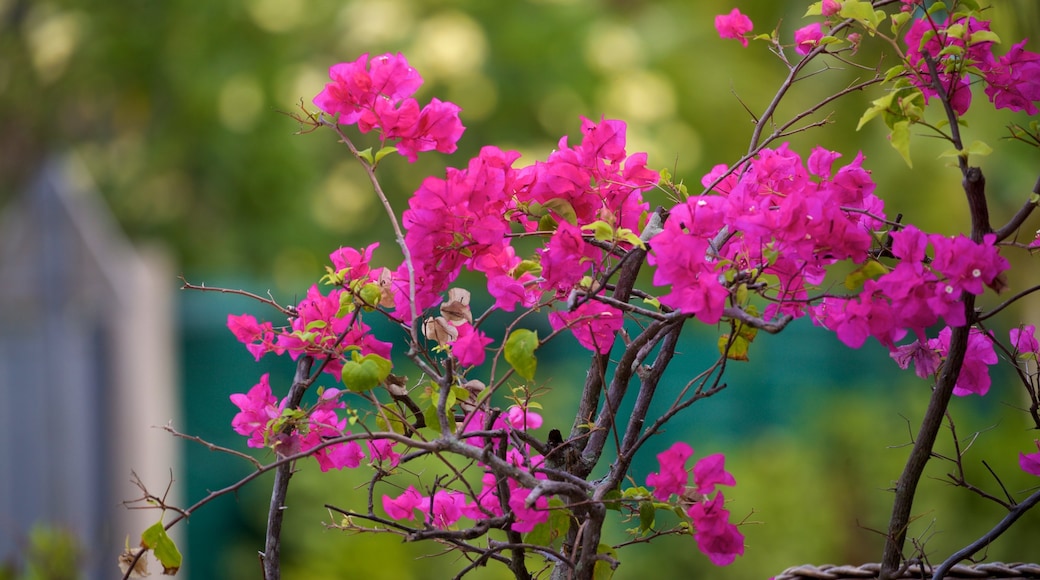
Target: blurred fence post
87, 368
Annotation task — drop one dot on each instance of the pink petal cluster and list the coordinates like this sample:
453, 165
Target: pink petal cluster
734, 25
462, 221
377, 95
1030, 462
807, 37
716, 536
783, 216
259, 409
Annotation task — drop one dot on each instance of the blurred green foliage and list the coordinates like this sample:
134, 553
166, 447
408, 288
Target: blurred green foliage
177, 107
49, 553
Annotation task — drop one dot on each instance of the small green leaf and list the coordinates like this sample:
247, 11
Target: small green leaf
646, 516
900, 139
366, 155
364, 373
602, 570
600, 230
562, 208
370, 295
737, 349
979, 149
519, 352
383, 153
815, 9
156, 539
871, 269
877, 106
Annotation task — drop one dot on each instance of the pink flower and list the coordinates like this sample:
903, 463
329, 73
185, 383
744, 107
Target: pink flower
673, 476
968, 266
438, 128
830, 7
593, 323
521, 418
710, 471
383, 450
807, 37
341, 455
257, 409
925, 359
468, 348
258, 338
526, 517
733, 25
354, 262
1014, 81
716, 537
446, 509
1024, 340
974, 377
401, 507
1030, 462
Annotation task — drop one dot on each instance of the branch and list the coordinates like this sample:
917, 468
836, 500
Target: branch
271, 556
988, 537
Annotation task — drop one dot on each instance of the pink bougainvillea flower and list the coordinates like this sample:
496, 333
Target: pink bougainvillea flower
807, 37
401, 507
710, 471
341, 455
446, 508
734, 25
521, 418
673, 477
1030, 462
1024, 339
468, 348
527, 517
974, 377
257, 409
593, 323
383, 450
716, 537
1014, 81
830, 7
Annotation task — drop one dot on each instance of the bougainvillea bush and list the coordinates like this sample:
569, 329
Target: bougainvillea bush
622, 257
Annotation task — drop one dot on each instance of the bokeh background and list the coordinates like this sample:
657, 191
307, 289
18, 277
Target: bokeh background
178, 111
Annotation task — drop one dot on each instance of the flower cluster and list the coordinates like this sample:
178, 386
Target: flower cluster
443, 508
377, 95
954, 49
267, 423
716, 536
776, 216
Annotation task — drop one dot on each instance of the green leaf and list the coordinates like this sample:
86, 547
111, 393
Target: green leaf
898, 20
877, 106
519, 352
156, 539
383, 153
562, 208
646, 516
935, 7
815, 9
735, 350
900, 139
894, 72
366, 155
871, 269
364, 373
600, 230
370, 294
602, 570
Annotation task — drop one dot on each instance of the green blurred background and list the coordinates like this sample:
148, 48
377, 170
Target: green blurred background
178, 109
